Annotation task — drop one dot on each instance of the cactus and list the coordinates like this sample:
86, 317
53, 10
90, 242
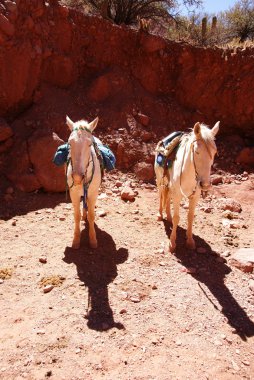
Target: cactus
214, 24
204, 30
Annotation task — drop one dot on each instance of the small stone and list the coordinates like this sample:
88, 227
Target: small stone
48, 288
127, 194
1, 281
154, 287
135, 299
40, 332
43, 260
118, 184
61, 218
102, 213
216, 179
14, 222
251, 285
235, 366
123, 311
226, 254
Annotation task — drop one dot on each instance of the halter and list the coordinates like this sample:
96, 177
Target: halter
195, 168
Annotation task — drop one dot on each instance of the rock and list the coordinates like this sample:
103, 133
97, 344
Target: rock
6, 26
142, 119
48, 288
118, 184
246, 156
243, 259
102, 213
251, 285
144, 171
225, 254
127, 194
43, 260
146, 136
5, 130
123, 311
230, 204
50, 176
216, 179
135, 299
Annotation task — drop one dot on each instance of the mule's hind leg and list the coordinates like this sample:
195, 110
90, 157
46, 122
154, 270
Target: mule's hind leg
91, 218
192, 205
159, 215
168, 211
75, 199
175, 220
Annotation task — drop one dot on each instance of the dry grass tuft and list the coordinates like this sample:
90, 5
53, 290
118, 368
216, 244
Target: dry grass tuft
55, 280
5, 273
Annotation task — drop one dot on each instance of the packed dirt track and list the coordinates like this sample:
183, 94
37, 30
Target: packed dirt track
129, 309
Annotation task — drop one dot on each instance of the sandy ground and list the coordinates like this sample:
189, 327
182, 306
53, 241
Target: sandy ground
129, 309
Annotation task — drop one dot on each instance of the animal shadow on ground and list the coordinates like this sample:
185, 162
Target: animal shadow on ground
97, 269
209, 270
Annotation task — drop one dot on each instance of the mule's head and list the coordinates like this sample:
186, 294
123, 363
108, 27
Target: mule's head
80, 142
204, 150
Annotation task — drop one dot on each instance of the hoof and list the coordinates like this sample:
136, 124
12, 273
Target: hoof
93, 244
191, 244
171, 248
169, 219
75, 245
159, 217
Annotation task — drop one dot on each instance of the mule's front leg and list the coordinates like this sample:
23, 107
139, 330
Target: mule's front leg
175, 220
192, 205
91, 218
77, 215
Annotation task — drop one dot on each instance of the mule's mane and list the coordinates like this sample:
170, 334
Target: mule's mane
81, 125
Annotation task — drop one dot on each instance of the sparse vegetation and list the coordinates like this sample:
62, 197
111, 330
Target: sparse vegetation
5, 273
55, 280
129, 12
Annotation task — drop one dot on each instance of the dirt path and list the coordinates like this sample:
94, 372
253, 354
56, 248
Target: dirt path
128, 310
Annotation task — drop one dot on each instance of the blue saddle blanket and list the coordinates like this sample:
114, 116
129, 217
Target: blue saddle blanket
108, 157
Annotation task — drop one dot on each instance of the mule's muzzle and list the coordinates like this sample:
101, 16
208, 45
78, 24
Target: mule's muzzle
77, 178
205, 186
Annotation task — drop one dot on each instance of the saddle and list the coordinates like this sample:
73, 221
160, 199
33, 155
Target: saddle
167, 149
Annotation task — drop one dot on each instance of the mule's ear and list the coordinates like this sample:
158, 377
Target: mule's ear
69, 122
216, 128
197, 129
93, 124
